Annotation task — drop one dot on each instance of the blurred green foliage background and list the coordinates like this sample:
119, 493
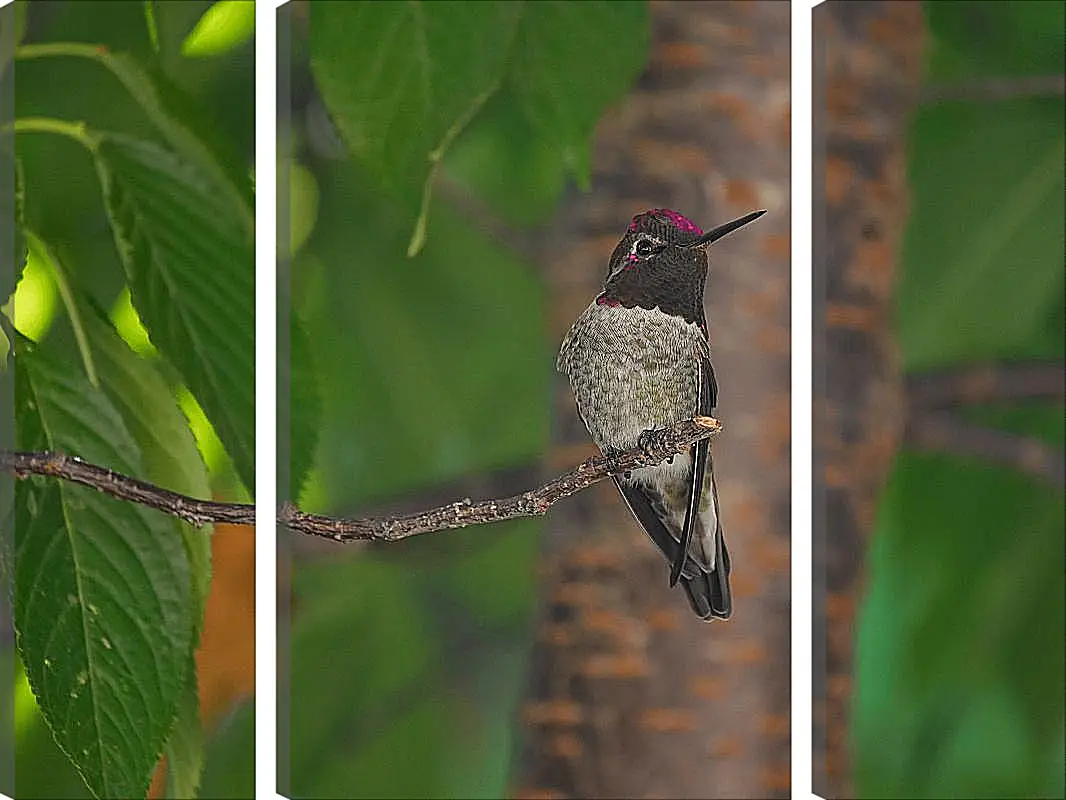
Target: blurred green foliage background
408, 662
960, 651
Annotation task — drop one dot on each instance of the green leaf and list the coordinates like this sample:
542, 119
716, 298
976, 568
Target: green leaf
158, 426
103, 606
515, 171
565, 71
571, 61
405, 97
982, 261
189, 131
402, 80
1022, 37
965, 575
185, 745
180, 121
225, 26
192, 280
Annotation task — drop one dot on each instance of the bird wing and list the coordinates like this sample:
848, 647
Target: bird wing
702, 587
703, 576
705, 387
718, 574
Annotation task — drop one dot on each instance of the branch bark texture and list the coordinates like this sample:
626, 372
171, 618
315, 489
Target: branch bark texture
660, 445
123, 487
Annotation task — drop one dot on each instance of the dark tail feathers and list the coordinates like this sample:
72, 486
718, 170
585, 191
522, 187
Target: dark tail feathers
708, 594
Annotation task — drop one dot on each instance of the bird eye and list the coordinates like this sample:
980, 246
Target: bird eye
644, 247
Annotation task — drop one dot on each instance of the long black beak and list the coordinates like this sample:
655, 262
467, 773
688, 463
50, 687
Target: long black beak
726, 229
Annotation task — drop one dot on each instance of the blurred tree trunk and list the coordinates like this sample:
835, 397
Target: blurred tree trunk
867, 73
631, 695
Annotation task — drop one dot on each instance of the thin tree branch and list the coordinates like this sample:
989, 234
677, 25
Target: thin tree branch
992, 90
71, 468
943, 432
987, 383
657, 446
932, 425
500, 482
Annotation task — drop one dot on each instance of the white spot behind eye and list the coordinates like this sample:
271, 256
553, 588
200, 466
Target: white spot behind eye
645, 246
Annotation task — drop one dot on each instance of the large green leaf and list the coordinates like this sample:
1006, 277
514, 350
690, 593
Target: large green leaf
402, 79
175, 116
571, 60
117, 86
158, 426
192, 279
182, 124
414, 86
227, 24
982, 262
960, 654
1013, 37
504, 161
171, 460
103, 605
565, 70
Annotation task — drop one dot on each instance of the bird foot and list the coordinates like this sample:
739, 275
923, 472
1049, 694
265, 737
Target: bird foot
650, 442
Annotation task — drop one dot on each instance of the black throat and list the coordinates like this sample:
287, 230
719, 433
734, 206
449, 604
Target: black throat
674, 289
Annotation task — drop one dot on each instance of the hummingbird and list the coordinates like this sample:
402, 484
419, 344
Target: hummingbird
638, 359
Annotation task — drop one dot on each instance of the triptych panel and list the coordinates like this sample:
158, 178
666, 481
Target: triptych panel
536, 400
